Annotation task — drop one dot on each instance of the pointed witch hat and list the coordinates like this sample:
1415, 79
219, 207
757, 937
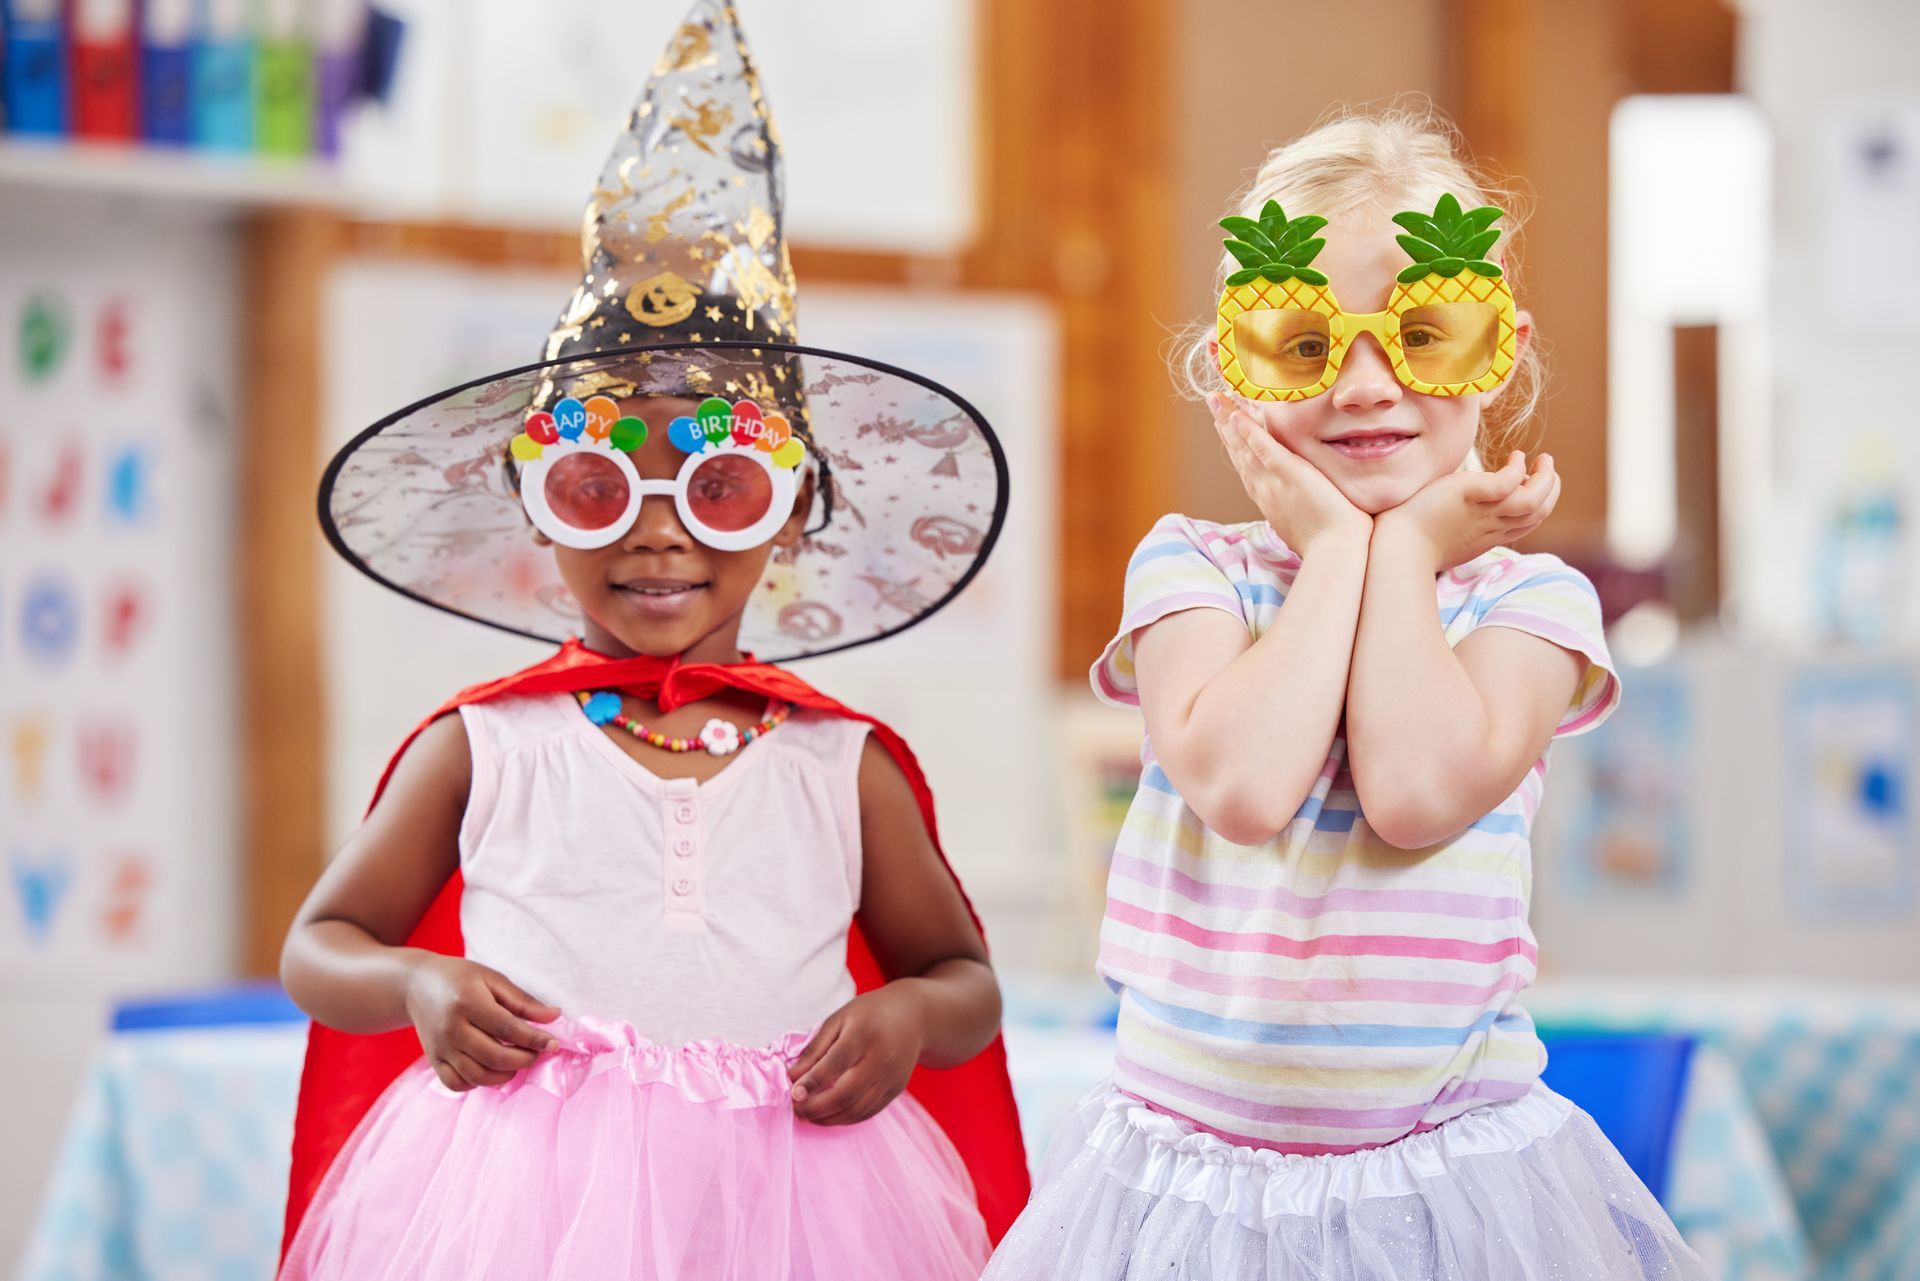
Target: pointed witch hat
687, 291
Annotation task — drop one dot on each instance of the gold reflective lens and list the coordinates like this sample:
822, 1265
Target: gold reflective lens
1282, 348
1449, 342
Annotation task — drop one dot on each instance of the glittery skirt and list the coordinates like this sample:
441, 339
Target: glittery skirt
1520, 1191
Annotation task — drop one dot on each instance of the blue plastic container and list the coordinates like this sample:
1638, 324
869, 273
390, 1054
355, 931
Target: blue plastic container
1632, 1086
239, 1003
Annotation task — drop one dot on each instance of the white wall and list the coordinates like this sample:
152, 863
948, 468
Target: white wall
503, 112
1841, 378
1742, 905
176, 274
1841, 339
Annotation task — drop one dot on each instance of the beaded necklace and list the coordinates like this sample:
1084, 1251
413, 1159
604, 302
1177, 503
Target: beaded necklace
717, 737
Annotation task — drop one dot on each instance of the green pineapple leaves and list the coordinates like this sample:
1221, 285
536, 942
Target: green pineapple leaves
1446, 242
1449, 240
1276, 246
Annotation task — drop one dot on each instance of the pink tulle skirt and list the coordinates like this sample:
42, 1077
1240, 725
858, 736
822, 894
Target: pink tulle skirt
614, 1157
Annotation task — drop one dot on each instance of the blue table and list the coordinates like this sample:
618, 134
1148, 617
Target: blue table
174, 1165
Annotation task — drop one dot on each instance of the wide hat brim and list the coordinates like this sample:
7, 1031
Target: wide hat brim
911, 499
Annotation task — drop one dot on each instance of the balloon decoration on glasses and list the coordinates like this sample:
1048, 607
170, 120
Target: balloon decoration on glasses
734, 491
1448, 329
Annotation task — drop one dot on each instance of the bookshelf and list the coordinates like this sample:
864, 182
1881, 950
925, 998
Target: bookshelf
239, 181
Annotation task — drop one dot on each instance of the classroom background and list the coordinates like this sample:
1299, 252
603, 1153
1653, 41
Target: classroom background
235, 232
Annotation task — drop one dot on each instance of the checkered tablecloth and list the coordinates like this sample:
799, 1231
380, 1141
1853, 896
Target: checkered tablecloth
1725, 1191
1833, 1076
174, 1166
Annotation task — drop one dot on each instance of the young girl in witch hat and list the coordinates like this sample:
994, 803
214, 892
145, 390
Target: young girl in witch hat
645, 962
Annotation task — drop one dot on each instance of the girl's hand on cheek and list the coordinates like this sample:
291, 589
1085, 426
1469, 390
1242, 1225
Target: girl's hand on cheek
473, 1022
1465, 514
860, 1059
1294, 496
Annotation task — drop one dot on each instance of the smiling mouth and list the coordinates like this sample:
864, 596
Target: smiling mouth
658, 595
1368, 445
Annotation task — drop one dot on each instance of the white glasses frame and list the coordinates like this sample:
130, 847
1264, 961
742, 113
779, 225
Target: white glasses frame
533, 495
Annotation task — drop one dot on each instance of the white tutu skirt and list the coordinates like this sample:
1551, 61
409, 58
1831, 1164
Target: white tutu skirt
1520, 1191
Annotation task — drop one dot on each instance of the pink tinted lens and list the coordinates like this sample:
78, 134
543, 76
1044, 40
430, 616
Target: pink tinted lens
587, 491
729, 493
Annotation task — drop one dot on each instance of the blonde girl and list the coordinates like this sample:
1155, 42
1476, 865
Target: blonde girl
1317, 911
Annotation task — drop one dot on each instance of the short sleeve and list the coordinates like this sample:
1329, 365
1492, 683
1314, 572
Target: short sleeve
1171, 571
1552, 600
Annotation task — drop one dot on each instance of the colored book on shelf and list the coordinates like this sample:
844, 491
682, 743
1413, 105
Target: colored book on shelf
339, 40
166, 72
380, 53
222, 80
283, 82
106, 70
35, 58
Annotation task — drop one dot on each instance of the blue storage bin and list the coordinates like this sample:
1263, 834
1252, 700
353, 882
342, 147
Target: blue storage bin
237, 1003
1632, 1086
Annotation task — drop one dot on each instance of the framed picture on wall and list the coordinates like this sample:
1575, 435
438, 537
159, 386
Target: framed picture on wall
1848, 790
1631, 828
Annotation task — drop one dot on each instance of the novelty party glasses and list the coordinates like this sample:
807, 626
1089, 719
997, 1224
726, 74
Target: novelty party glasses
1448, 328
734, 491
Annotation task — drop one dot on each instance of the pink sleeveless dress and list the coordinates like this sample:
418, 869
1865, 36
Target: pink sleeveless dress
694, 934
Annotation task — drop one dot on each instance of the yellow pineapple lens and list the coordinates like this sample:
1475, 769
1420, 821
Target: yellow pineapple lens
1450, 342
1282, 348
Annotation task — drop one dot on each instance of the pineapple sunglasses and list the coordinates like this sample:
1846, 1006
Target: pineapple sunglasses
1448, 329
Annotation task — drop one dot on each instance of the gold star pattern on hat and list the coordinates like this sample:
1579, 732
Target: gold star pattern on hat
684, 224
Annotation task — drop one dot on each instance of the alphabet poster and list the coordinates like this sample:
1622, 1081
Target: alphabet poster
115, 672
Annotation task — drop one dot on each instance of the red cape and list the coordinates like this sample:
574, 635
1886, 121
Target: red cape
345, 1073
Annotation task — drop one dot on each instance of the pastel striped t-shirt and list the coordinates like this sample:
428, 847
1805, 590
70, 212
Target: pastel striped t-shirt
1324, 991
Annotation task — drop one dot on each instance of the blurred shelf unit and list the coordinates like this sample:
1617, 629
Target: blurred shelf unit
237, 181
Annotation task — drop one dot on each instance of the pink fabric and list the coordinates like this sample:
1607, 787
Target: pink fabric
540, 1178
690, 910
